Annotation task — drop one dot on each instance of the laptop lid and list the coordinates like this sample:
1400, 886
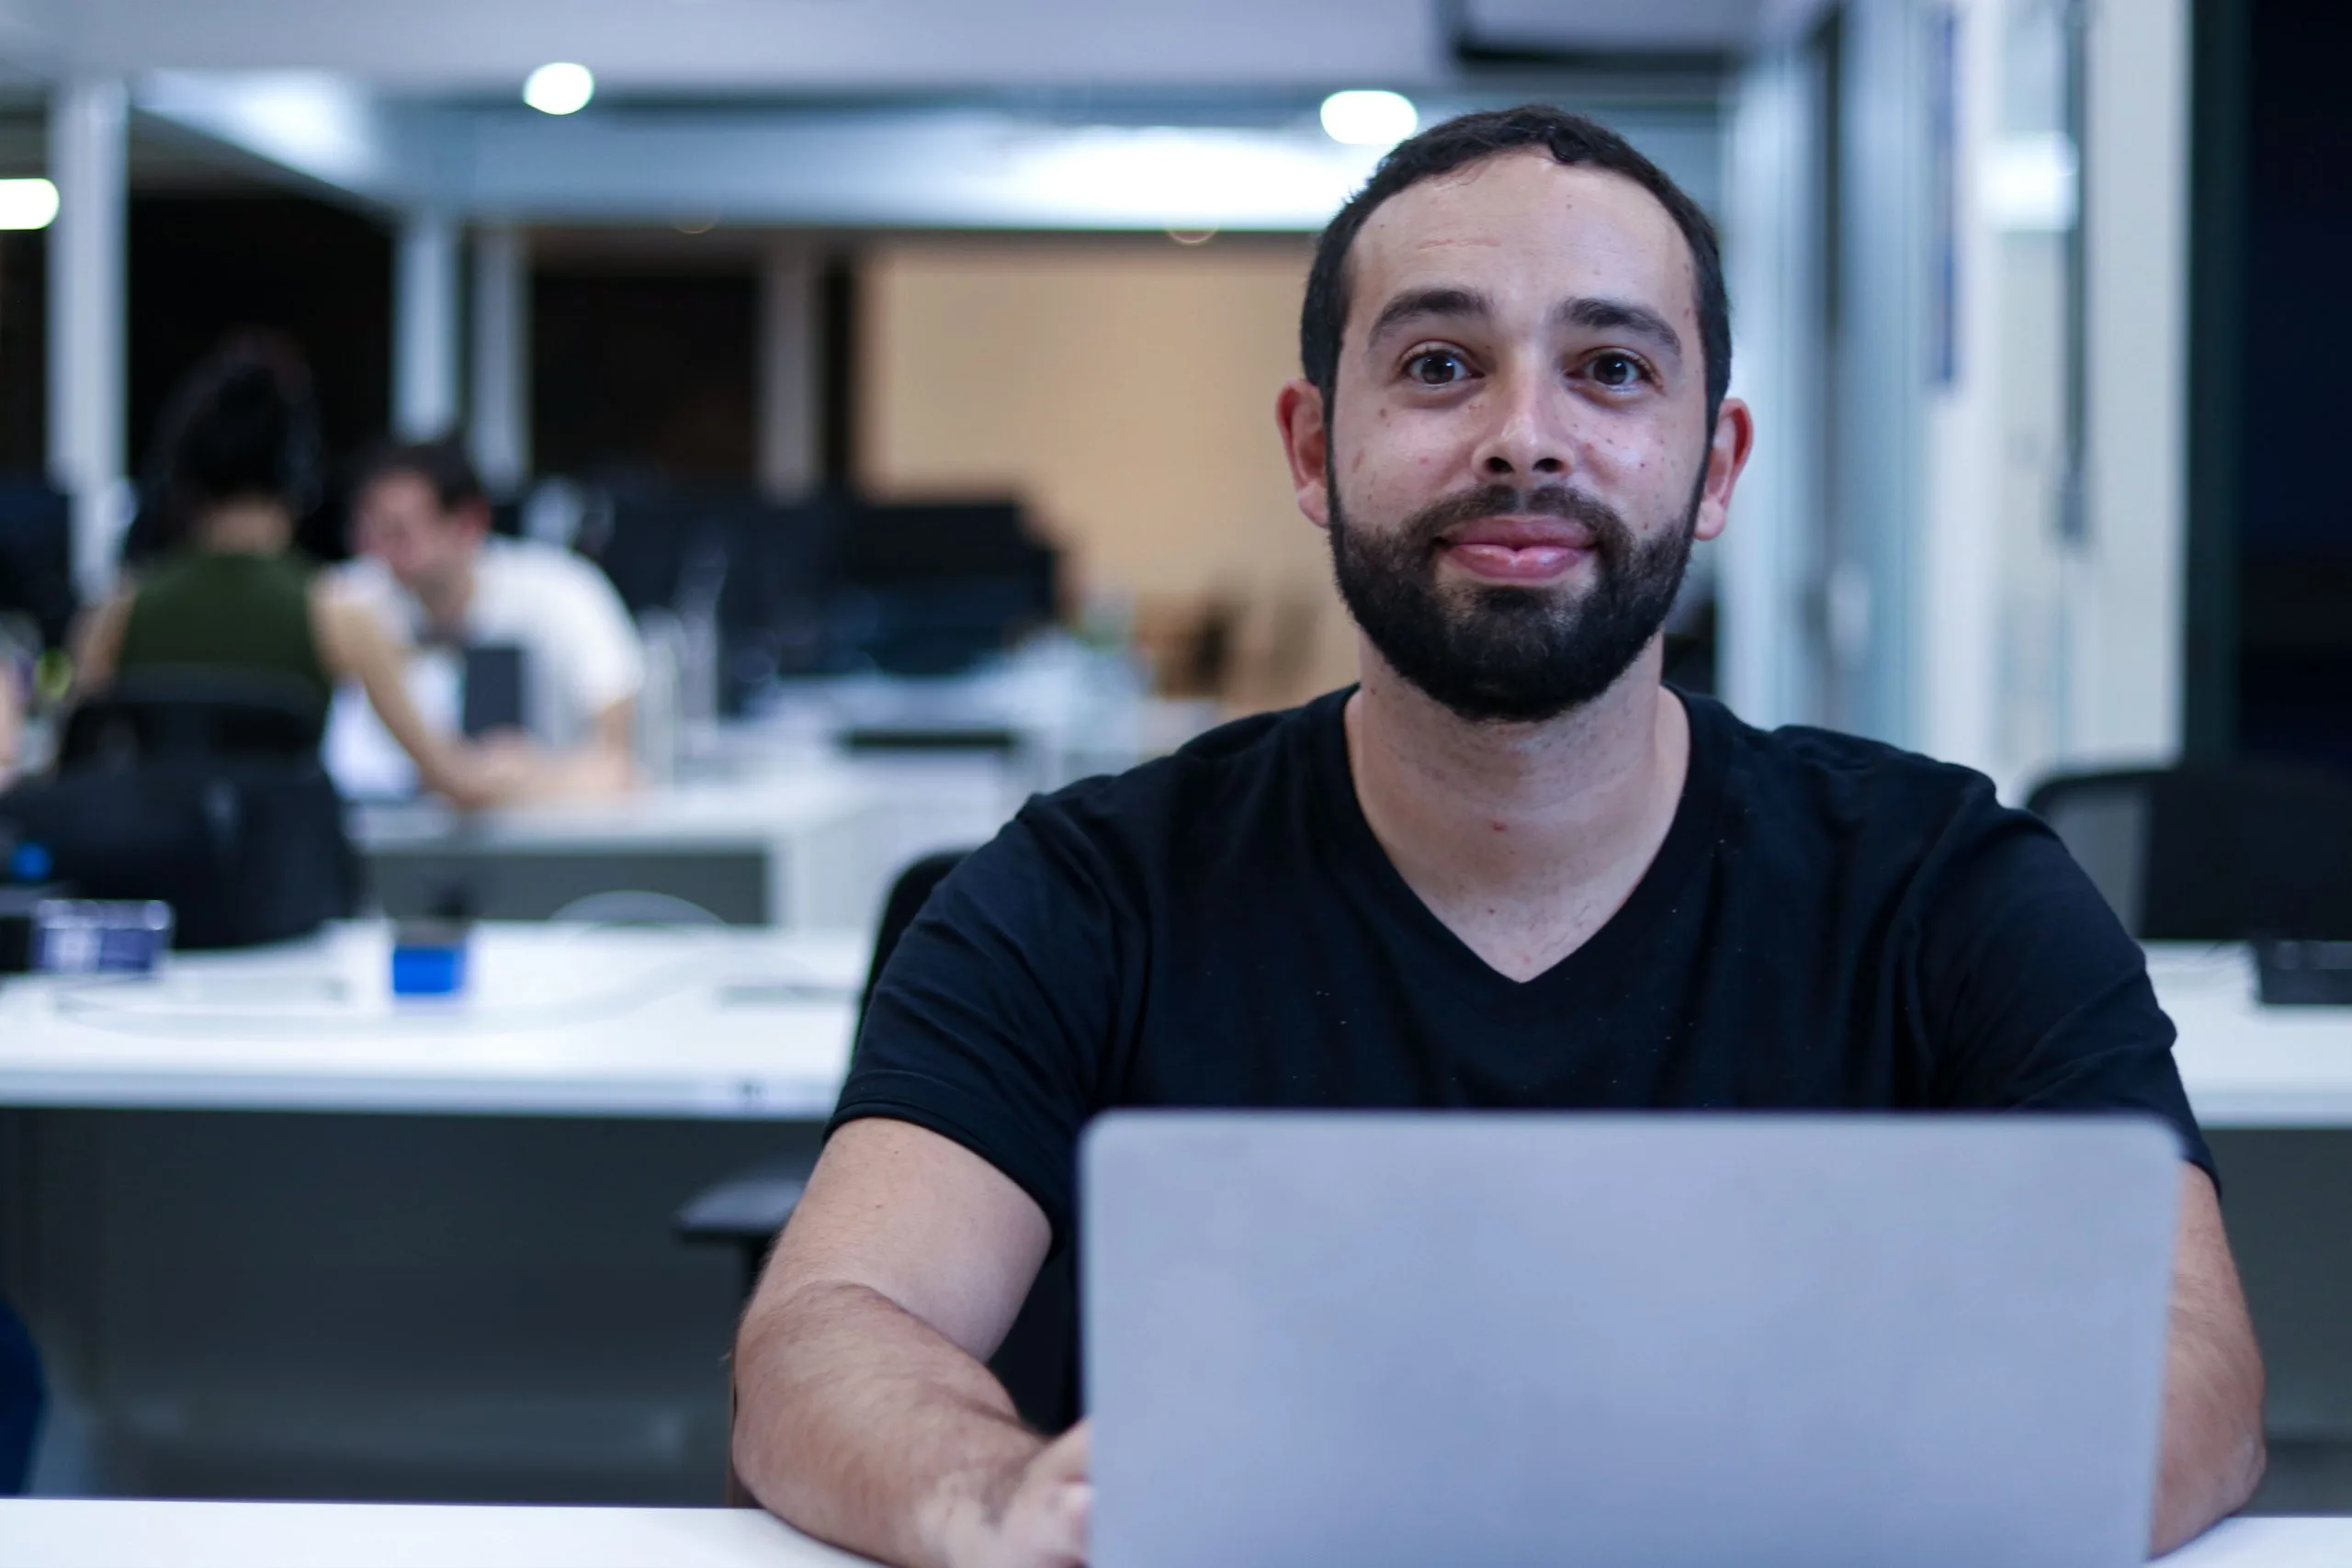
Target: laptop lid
1394, 1340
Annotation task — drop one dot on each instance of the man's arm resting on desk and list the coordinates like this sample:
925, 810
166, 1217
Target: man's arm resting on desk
864, 1413
2213, 1452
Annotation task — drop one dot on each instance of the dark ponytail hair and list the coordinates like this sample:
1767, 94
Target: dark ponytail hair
243, 425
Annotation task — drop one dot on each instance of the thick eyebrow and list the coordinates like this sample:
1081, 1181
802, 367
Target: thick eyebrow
1420, 302
1622, 316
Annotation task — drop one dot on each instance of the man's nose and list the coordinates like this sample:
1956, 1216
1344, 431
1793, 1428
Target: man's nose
1524, 440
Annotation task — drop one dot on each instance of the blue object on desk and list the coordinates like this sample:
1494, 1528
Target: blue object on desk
429, 958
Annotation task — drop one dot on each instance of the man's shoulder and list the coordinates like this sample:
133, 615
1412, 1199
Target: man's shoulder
366, 581
532, 565
1810, 784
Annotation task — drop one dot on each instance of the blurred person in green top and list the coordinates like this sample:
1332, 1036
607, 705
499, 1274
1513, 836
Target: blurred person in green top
236, 463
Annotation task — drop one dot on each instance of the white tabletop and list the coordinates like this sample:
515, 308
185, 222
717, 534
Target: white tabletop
572, 1021
2245, 1065
73, 1534
57, 1534
555, 1021
742, 813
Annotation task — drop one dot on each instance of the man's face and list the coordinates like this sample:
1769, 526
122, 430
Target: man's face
397, 519
1518, 456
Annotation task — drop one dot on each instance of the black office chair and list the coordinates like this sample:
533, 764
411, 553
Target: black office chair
2212, 852
202, 788
747, 1210
195, 714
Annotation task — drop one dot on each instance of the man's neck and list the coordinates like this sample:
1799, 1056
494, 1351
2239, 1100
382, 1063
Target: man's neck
447, 599
1523, 838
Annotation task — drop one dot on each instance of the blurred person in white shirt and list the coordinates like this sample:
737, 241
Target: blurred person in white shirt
427, 559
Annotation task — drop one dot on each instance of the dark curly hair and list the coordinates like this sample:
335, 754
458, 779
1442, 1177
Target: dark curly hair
241, 426
1570, 139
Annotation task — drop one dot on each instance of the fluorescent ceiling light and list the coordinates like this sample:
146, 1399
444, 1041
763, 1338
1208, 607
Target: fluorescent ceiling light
560, 88
27, 204
2029, 184
1164, 177
1369, 117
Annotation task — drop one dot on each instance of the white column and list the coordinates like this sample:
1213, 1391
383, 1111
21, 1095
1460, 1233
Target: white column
1769, 657
425, 328
788, 372
1958, 596
86, 456
2127, 634
501, 356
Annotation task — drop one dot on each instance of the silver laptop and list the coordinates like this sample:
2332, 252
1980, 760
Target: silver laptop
1416, 1341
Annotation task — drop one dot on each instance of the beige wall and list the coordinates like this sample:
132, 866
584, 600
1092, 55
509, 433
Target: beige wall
1124, 389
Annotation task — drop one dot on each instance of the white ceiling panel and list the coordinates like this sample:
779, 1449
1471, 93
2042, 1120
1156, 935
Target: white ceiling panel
668, 45
1587, 27
785, 46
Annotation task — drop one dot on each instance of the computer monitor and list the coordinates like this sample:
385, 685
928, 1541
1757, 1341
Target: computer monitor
930, 588
36, 556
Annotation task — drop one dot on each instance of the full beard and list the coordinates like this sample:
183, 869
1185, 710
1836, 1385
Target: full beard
1498, 654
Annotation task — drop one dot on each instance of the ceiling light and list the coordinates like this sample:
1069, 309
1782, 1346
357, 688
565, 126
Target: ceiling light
560, 88
2028, 183
27, 204
1369, 119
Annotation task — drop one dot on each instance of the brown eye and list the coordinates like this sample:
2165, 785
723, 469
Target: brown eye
1436, 367
1616, 371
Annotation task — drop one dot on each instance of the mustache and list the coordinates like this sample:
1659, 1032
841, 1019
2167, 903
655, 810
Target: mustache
1612, 538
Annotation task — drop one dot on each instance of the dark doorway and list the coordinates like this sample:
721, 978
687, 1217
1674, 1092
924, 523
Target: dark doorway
2270, 563
24, 352
648, 376
202, 266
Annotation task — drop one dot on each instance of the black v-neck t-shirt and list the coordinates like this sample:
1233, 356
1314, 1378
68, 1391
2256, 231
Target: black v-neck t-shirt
1830, 924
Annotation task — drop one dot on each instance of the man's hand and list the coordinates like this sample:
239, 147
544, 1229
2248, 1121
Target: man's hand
1033, 1517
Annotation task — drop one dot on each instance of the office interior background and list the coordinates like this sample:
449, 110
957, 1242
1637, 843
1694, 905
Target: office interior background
2038, 303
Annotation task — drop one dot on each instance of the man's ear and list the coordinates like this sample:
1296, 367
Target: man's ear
1307, 442
473, 515
1728, 453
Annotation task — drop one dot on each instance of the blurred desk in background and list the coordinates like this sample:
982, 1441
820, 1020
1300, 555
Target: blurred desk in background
281, 1234
52, 1534
2246, 1065
555, 1021
807, 843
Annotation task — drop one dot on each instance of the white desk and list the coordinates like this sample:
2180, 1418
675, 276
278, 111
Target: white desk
567, 1020
811, 844
318, 1535
2246, 1065
556, 1020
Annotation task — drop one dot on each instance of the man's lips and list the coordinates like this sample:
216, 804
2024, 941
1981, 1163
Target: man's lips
1517, 549
1522, 533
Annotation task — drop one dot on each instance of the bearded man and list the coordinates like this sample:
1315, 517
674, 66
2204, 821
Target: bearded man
1510, 869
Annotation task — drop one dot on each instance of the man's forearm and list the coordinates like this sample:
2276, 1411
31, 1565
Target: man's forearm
2213, 1449
2213, 1454
862, 1425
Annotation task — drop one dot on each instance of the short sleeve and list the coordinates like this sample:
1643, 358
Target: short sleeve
2033, 995
604, 662
993, 1017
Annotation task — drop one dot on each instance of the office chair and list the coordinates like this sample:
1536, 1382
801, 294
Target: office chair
2212, 852
202, 788
748, 1210
195, 714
